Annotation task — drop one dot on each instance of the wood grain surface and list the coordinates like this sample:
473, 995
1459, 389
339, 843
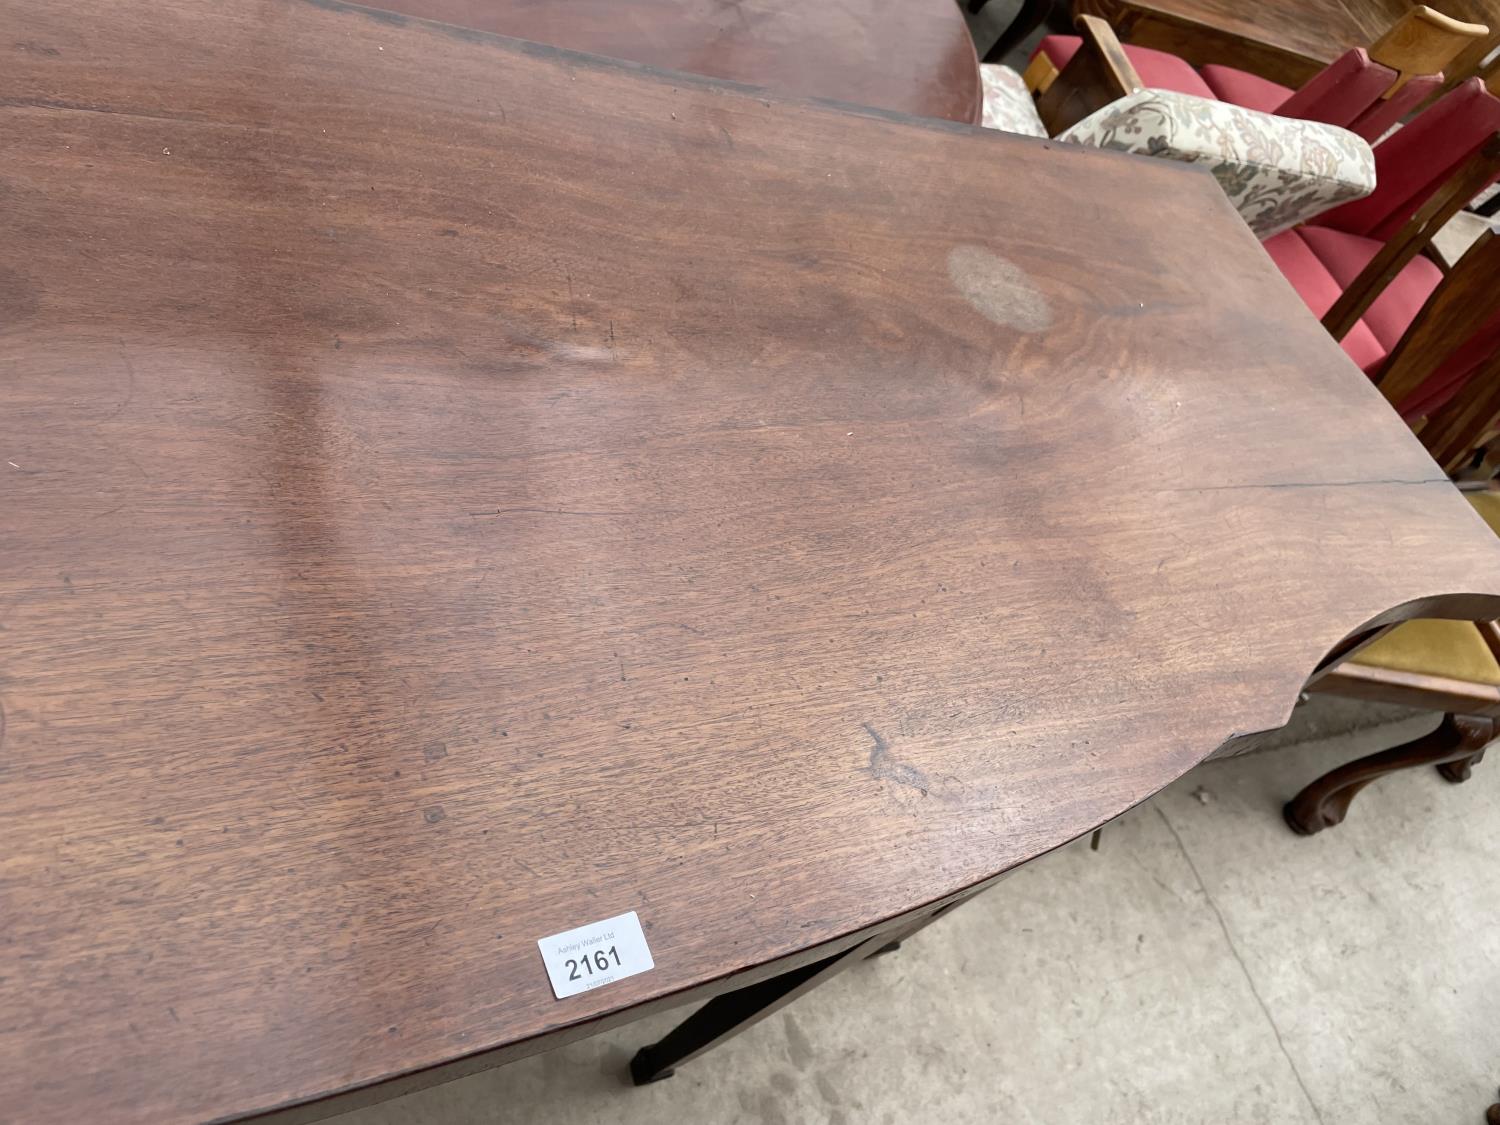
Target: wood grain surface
1285, 40
910, 56
453, 490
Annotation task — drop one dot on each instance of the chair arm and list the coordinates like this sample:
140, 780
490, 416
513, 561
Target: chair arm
1277, 171
1007, 103
1098, 73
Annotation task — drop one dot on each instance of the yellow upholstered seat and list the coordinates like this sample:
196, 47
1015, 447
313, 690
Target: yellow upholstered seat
1487, 504
1453, 649
1430, 647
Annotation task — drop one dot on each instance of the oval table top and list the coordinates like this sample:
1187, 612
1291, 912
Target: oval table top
909, 56
456, 490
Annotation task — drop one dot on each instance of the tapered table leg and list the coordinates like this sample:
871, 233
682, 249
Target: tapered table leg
724, 1017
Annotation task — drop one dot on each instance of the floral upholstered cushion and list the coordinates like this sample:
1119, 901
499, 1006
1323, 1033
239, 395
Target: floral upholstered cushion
1007, 102
1277, 171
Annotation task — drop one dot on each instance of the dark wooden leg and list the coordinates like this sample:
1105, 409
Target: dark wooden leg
724, 1017
1461, 770
1028, 19
1459, 740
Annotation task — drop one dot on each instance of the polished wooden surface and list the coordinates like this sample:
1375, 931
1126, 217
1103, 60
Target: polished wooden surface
1284, 40
456, 490
910, 56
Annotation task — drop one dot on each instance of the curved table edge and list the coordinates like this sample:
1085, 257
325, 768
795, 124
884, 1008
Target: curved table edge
1322, 652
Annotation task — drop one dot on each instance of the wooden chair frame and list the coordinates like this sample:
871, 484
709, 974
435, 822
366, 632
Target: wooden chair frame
1413, 238
1469, 421
1198, 44
1425, 41
1422, 41
1412, 45
1098, 74
1470, 62
1464, 300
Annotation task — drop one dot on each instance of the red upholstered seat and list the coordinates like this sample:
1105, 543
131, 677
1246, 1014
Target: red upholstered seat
1158, 70
1324, 257
1344, 255
1317, 287
1241, 88
1320, 263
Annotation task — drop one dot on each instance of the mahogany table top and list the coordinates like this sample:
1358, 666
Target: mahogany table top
453, 490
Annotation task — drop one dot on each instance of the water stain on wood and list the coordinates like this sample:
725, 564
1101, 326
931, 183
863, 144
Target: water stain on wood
1001, 290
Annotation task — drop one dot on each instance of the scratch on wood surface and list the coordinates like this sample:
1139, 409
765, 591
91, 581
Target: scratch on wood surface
883, 768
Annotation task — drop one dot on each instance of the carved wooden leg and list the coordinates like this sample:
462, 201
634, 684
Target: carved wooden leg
1461, 770
1459, 740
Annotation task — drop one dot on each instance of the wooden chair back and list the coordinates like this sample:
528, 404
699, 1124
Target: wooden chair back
1469, 422
1355, 92
1456, 333
1098, 73
1476, 60
1424, 42
1444, 375
1418, 159
1371, 91
1199, 44
1420, 52
1445, 200
1489, 73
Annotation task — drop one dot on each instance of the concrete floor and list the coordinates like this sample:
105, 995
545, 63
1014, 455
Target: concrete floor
1204, 965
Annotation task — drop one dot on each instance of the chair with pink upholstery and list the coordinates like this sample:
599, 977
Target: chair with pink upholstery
1355, 91
1365, 91
1360, 266
1276, 171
